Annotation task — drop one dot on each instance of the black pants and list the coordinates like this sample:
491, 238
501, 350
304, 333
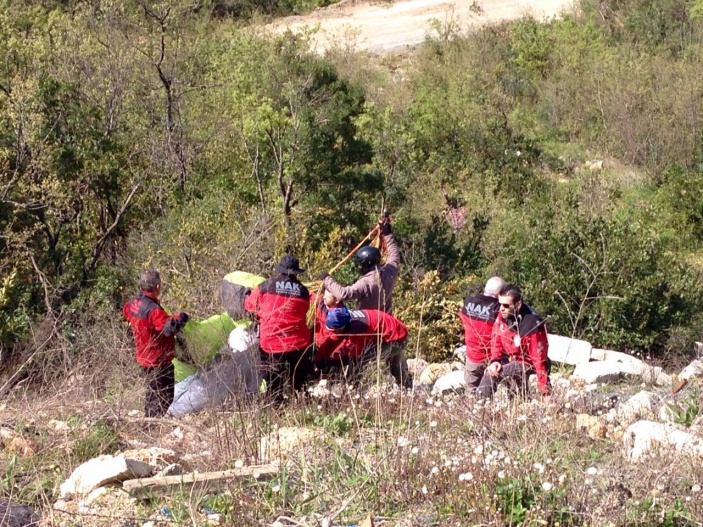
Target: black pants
160, 381
516, 373
281, 370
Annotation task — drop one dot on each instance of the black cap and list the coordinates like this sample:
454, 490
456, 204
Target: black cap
289, 265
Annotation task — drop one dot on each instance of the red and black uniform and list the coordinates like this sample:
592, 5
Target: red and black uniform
155, 336
478, 315
520, 344
359, 341
281, 305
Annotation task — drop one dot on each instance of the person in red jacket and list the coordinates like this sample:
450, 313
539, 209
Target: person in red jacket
155, 336
478, 315
281, 306
353, 338
518, 346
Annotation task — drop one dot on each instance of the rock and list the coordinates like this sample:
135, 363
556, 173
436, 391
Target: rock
21, 447
174, 469
215, 519
453, 381
695, 369
568, 351
645, 437
597, 354
157, 457
666, 414
58, 426
460, 354
433, 372
102, 470
95, 495
600, 372
14, 515
456, 366
636, 407
282, 442
593, 426
617, 356
416, 366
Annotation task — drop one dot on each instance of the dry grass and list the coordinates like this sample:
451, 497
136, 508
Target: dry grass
409, 460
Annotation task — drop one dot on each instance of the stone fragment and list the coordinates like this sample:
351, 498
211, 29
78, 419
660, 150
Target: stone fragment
15, 515
102, 470
636, 407
567, 350
284, 441
600, 372
453, 381
648, 437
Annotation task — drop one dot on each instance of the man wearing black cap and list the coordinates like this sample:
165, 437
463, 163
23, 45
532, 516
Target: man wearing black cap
281, 306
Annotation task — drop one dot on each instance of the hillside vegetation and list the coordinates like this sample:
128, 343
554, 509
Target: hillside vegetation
166, 134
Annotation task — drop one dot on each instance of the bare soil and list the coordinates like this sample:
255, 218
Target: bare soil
393, 26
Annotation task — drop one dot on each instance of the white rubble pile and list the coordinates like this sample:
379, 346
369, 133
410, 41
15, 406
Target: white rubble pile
648, 437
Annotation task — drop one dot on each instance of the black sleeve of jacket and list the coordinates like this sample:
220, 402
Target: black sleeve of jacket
172, 327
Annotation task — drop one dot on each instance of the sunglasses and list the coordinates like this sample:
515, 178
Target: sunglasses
507, 306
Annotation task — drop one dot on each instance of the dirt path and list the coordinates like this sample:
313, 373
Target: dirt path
383, 27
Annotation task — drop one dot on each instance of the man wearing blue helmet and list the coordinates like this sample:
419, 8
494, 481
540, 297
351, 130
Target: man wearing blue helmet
352, 338
373, 290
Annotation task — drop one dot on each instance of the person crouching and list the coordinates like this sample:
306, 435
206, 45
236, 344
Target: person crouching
353, 338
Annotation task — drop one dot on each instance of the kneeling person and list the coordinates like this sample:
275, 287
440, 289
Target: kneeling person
352, 338
518, 346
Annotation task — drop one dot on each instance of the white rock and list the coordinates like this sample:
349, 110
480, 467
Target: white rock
102, 470
695, 369
618, 356
636, 407
666, 414
453, 381
597, 354
568, 351
600, 372
460, 354
433, 372
645, 437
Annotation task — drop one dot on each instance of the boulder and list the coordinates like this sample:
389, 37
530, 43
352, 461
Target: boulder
433, 372
159, 458
600, 372
636, 407
646, 437
102, 470
568, 351
453, 381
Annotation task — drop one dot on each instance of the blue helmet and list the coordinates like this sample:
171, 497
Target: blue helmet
337, 318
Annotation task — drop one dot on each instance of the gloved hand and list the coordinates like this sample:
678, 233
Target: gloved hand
247, 291
323, 275
385, 226
183, 318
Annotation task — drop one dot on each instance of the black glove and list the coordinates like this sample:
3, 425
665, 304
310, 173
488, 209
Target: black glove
323, 275
183, 318
247, 291
385, 226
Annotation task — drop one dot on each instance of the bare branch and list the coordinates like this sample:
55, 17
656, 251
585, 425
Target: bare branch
97, 250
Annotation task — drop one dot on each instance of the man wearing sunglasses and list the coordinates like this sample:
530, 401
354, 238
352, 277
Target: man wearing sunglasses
518, 347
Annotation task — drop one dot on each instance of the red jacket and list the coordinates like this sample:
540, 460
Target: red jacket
154, 330
367, 329
526, 343
478, 316
281, 305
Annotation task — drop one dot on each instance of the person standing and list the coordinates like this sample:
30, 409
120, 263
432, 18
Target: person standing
519, 347
478, 315
281, 306
155, 335
374, 288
